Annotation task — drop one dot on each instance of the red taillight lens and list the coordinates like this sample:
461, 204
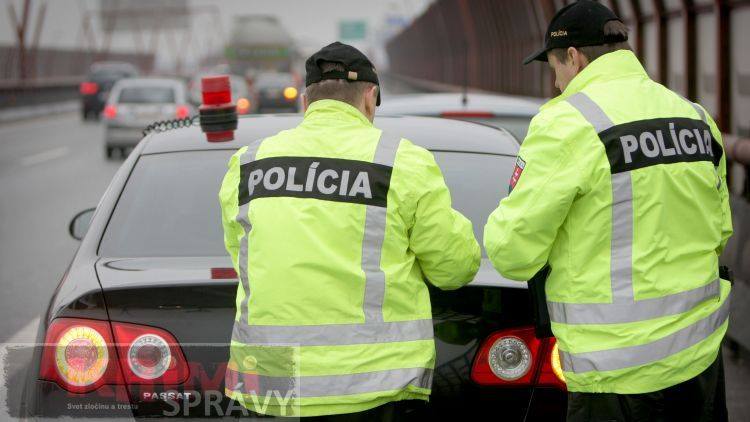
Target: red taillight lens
223, 274
508, 357
149, 355
182, 112
79, 356
88, 88
516, 358
110, 112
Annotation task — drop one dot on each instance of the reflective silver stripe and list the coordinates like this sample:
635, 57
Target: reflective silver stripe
374, 233
332, 385
626, 357
617, 313
242, 217
624, 308
591, 111
621, 256
333, 334
700, 111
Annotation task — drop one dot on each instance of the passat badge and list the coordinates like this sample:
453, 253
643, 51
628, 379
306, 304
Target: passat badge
520, 164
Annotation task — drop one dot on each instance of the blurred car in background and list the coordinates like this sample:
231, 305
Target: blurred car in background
506, 111
152, 284
277, 92
136, 103
243, 94
99, 81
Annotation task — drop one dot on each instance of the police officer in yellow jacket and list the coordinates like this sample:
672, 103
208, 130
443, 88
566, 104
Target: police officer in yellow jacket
620, 186
333, 226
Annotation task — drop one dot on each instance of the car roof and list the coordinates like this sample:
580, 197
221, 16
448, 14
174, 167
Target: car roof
127, 82
432, 133
434, 104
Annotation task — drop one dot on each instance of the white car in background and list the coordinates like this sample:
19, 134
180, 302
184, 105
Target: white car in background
135, 103
509, 112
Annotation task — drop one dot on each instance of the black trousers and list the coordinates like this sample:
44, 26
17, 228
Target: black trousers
701, 398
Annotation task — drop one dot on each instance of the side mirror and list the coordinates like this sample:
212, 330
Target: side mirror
80, 223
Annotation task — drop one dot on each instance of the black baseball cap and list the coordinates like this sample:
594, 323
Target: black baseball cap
358, 66
578, 24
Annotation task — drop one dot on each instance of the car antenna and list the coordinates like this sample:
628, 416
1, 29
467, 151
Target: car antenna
465, 93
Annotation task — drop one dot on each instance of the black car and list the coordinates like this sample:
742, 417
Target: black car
277, 92
99, 81
140, 323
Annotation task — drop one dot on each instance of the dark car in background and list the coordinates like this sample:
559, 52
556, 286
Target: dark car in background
99, 81
140, 324
277, 92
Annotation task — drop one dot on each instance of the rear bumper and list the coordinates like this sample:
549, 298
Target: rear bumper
500, 403
49, 400
93, 103
123, 135
113, 402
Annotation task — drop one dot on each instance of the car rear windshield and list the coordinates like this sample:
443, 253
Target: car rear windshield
516, 125
110, 75
169, 206
146, 95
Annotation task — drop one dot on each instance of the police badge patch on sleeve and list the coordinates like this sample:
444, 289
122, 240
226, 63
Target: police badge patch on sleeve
520, 164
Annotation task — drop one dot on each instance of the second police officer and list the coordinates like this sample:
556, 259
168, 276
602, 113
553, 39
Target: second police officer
620, 186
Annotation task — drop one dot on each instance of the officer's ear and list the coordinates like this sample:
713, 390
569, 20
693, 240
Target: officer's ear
305, 102
575, 58
370, 101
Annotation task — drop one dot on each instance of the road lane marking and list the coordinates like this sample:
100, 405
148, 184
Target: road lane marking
43, 156
24, 338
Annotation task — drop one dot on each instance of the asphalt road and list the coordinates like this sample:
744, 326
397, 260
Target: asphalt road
50, 169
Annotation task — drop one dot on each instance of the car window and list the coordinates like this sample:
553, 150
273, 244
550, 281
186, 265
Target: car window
170, 207
146, 95
518, 126
477, 183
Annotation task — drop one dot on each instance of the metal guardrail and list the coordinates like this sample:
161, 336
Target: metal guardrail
738, 149
20, 92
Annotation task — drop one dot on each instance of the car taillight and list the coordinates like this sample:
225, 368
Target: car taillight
149, 355
88, 88
110, 112
290, 93
243, 106
81, 356
182, 111
516, 358
551, 374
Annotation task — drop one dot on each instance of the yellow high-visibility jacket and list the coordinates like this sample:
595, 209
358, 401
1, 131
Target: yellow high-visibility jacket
621, 187
333, 226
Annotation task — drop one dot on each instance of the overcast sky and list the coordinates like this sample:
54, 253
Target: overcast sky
313, 23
